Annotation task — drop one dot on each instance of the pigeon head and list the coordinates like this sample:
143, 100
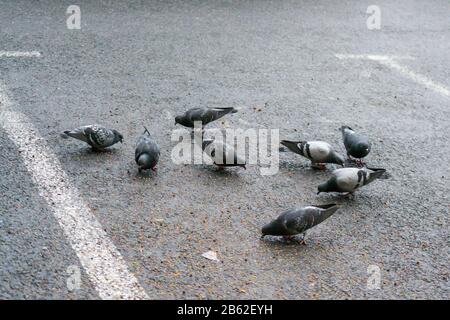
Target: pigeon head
274, 228
206, 143
118, 137
323, 187
179, 119
337, 158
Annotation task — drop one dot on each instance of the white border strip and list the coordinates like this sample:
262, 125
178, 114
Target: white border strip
18, 54
99, 257
390, 62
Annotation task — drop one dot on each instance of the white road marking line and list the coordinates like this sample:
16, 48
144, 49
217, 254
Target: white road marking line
99, 257
374, 57
17, 54
421, 79
390, 62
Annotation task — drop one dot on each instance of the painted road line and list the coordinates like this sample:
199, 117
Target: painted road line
375, 57
99, 257
389, 61
18, 54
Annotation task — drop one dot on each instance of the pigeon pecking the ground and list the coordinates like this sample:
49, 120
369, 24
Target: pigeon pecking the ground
350, 179
97, 136
147, 152
357, 145
296, 221
318, 152
222, 154
205, 115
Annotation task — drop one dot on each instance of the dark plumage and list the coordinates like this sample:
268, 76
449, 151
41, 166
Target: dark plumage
147, 152
357, 145
205, 115
298, 220
98, 137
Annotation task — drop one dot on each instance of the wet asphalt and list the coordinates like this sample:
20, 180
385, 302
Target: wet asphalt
137, 63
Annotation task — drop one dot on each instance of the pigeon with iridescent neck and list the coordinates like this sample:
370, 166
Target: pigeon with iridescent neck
147, 152
357, 145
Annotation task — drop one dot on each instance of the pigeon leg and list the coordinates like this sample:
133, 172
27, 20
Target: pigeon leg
154, 169
302, 239
288, 238
320, 166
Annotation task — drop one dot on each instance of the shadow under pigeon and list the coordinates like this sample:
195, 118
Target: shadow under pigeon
144, 174
274, 240
304, 168
225, 172
351, 164
283, 164
89, 153
338, 198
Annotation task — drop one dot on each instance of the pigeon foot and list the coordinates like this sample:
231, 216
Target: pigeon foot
320, 166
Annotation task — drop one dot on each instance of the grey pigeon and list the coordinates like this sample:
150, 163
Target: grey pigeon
296, 221
97, 136
350, 179
357, 145
319, 152
205, 115
147, 152
222, 154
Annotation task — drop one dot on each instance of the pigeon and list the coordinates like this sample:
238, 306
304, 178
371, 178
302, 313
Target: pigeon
97, 136
350, 179
205, 115
147, 152
357, 146
219, 152
297, 220
319, 152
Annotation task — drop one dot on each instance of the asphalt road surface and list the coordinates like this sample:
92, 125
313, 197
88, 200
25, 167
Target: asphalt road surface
136, 63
